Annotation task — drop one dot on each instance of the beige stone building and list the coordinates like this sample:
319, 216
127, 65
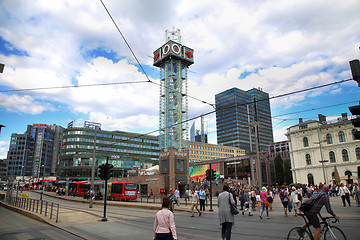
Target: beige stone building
204, 151
324, 151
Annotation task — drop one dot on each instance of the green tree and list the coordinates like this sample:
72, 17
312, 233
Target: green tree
287, 172
279, 170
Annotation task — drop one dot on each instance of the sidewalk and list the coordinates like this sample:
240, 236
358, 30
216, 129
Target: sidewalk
68, 218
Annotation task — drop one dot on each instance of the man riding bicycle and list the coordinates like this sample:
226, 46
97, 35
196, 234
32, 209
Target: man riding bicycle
321, 199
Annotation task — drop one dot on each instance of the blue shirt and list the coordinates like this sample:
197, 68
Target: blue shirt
202, 192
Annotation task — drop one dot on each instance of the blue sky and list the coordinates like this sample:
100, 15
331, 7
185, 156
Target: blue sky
243, 44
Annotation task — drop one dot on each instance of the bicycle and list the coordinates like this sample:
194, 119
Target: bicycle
329, 231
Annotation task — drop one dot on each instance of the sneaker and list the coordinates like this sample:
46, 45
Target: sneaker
199, 214
260, 217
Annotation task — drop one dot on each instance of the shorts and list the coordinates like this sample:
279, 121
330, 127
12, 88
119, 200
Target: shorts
285, 204
313, 219
258, 199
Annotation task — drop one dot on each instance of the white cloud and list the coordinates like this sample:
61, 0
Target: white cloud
4, 148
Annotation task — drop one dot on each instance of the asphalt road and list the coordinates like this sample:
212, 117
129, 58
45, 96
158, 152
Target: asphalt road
137, 223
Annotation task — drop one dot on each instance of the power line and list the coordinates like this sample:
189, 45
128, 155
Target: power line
72, 86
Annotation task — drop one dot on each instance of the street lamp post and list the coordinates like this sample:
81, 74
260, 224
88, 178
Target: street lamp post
321, 156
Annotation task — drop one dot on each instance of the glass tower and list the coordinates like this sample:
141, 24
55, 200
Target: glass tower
173, 60
234, 109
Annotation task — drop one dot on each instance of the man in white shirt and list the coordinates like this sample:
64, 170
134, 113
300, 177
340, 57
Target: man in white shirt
344, 194
177, 196
194, 202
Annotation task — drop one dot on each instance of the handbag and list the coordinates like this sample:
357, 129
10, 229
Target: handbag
308, 204
234, 210
266, 203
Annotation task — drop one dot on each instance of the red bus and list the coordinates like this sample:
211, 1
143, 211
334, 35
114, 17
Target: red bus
122, 191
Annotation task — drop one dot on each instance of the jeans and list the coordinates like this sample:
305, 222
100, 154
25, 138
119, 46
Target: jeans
263, 209
226, 230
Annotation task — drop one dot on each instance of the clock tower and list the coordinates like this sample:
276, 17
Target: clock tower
173, 59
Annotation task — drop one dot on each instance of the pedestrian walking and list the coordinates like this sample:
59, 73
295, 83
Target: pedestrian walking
177, 196
247, 202
202, 197
356, 193
171, 196
164, 225
284, 197
225, 215
264, 202
294, 199
270, 195
194, 202
344, 194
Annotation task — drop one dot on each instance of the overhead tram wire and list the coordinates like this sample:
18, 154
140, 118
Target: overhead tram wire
228, 107
138, 62
72, 86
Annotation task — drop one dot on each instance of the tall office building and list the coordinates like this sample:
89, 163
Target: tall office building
235, 108
198, 131
34, 153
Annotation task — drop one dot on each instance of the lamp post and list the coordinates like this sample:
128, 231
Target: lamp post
321, 156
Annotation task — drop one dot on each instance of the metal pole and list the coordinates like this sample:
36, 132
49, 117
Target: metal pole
104, 219
93, 171
210, 210
321, 155
251, 163
259, 170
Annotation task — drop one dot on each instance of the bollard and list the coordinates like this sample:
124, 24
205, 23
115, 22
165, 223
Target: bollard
46, 205
51, 211
57, 213
41, 206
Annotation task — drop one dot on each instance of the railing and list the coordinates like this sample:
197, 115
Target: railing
46, 208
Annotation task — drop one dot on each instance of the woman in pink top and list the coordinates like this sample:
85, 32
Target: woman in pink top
264, 202
164, 226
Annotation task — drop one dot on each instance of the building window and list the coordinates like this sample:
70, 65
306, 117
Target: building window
310, 179
357, 151
329, 138
308, 159
345, 155
332, 157
306, 142
342, 137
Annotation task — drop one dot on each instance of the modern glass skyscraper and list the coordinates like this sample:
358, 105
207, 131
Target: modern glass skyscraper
234, 109
34, 153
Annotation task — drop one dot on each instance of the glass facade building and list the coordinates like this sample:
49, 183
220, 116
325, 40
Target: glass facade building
234, 109
126, 151
34, 153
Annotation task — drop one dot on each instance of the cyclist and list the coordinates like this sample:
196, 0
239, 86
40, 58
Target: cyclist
321, 199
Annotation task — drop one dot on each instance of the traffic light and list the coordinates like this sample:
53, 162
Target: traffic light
355, 110
102, 172
109, 171
208, 177
213, 174
355, 70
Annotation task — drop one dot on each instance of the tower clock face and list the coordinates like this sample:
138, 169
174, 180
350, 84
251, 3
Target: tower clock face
166, 49
175, 48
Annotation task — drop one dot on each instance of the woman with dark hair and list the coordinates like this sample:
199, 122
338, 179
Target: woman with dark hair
164, 225
226, 217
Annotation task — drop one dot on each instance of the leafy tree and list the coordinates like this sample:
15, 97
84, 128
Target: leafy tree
287, 172
279, 170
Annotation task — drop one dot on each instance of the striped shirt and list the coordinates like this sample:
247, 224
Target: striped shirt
320, 202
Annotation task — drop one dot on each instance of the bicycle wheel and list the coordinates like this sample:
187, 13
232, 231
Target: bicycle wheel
294, 234
333, 232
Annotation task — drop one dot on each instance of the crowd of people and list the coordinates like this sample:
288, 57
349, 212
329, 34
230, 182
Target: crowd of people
253, 199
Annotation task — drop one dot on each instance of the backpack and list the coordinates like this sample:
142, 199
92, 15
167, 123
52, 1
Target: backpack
282, 195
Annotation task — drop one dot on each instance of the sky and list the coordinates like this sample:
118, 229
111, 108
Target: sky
281, 46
